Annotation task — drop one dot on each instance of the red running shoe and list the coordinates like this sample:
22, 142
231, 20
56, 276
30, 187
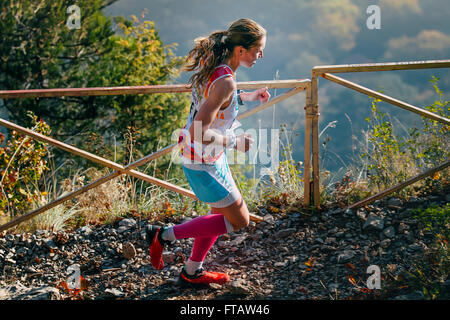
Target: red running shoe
202, 277
156, 244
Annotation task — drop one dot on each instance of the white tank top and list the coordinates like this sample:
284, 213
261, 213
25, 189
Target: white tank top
194, 151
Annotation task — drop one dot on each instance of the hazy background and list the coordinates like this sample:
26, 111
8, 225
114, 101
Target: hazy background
306, 33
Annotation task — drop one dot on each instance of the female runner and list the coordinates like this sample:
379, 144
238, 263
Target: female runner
208, 132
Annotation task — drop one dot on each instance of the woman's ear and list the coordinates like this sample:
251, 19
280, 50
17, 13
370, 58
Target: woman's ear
239, 50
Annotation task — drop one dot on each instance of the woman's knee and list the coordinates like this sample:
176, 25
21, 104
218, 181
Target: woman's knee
242, 219
241, 222
237, 214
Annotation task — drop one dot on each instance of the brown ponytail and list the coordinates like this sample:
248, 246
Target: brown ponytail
211, 51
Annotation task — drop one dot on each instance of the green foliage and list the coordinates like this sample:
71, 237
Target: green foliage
428, 273
392, 159
38, 50
139, 58
430, 147
344, 192
22, 163
432, 271
288, 181
386, 154
435, 219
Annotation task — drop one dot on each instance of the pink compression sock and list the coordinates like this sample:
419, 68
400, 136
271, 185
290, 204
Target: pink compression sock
205, 230
201, 247
205, 226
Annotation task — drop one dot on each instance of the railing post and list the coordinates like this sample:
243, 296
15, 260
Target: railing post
314, 116
307, 150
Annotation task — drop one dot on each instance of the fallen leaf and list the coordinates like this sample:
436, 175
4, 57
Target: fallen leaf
274, 209
352, 280
309, 263
303, 290
350, 266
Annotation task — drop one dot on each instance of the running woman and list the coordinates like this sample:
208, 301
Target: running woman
208, 132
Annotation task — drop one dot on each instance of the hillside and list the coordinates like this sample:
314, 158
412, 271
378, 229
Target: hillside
297, 256
298, 253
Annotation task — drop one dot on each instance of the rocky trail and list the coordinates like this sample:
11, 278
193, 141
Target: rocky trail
298, 256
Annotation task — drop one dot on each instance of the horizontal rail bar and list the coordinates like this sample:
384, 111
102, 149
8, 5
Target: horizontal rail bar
399, 186
119, 170
94, 184
95, 91
107, 91
396, 102
275, 84
100, 160
145, 159
301, 85
386, 66
243, 115
87, 188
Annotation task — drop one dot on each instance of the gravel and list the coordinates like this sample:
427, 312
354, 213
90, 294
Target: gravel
287, 256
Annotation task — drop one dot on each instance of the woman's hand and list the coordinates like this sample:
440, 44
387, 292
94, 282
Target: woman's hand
244, 142
262, 95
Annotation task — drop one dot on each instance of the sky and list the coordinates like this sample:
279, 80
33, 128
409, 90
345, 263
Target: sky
305, 33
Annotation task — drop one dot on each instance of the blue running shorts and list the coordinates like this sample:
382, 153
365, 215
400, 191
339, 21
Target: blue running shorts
212, 183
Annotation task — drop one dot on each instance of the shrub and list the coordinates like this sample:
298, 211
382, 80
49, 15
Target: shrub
23, 163
390, 159
430, 272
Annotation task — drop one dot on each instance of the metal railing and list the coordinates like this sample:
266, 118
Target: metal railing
311, 177
326, 73
296, 86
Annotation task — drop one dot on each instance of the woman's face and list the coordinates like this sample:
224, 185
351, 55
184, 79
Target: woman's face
249, 57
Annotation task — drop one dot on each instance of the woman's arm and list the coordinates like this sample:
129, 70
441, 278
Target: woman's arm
220, 93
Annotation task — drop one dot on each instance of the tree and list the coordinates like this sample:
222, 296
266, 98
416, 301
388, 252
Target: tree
38, 50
